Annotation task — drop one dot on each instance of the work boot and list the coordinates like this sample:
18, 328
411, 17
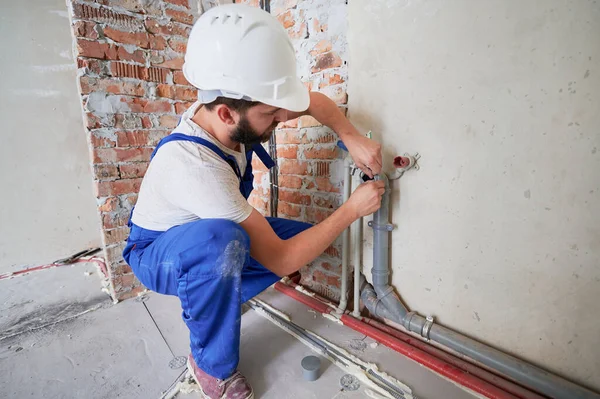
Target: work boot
234, 387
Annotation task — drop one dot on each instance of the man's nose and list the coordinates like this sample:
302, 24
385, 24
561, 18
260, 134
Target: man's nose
281, 115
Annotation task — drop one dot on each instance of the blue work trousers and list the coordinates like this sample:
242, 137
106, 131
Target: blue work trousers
207, 264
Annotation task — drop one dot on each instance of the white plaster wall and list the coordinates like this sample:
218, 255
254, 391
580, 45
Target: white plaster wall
47, 207
499, 233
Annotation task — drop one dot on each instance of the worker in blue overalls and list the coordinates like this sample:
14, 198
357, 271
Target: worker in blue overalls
193, 233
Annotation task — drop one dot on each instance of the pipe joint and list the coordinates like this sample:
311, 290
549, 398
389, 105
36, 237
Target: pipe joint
407, 320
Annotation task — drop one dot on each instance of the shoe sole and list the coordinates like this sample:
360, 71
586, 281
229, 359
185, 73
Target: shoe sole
205, 396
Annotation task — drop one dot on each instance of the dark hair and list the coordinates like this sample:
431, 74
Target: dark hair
240, 106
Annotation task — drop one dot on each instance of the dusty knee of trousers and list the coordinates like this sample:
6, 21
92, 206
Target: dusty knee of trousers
234, 245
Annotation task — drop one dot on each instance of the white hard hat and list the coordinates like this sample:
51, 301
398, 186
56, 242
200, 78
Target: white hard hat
239, 51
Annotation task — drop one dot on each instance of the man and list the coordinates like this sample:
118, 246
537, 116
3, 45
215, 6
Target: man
193, 234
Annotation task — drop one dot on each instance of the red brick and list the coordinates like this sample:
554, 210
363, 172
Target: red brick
172, 28
146, 122
180, 16
181, 107
106, 172
321, 47
105, 15
90, 84
286, 19
182, 3
164, 90
134, 154
315, 215
86, 29
127, 121
257, 165
135, 138
92, 121
109, 205
169, 121
175, 63
336, 268
294, 197
94, 49
114, 220
122, 269
326, 279
325, 201
134, 292
179, 78
158, 75
308, 121
293, 123
326, 61
290, 152
186, 93
122, 70
132, 170
293, 167
323, 184
115, 236
118, 187
157, 42
92, 66
330, 80
321, 137
139, 39
158, 106
288, 181
99, 141
321, 153
321, 169
288, 136
289, 209
178, 45
332, 251
298, 32
124, 55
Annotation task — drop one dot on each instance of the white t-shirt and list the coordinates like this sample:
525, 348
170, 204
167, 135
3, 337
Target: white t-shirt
187, 181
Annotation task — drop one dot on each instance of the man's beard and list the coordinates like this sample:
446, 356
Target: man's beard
245, 134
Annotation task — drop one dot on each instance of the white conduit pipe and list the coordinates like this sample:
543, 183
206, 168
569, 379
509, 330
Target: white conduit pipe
356, 258
348, 166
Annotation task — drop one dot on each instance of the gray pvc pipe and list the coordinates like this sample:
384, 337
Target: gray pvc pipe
382, 301
381, 248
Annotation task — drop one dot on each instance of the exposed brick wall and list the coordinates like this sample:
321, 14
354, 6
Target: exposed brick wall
129, 58
310, 164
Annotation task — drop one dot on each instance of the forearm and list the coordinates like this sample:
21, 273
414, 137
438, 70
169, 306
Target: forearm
306, 246
323, 109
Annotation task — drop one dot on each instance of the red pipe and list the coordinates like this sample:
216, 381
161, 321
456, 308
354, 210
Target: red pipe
443, 368
485, 375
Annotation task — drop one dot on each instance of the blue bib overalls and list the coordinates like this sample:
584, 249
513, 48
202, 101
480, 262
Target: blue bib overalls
207, 264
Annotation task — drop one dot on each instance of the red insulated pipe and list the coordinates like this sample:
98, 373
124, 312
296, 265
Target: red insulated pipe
98, 261
443, 368
485, 375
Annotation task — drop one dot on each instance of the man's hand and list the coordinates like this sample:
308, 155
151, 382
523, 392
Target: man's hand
366, 199
366, 153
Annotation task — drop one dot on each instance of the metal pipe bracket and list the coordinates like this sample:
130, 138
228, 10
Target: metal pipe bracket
427, 327
383, 227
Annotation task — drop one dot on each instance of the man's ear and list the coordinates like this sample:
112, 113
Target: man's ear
225, 114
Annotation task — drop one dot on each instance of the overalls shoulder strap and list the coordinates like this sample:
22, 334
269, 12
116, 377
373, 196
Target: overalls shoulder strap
248, 177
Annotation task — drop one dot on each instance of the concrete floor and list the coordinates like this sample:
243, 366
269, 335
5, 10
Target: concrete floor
62, 337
